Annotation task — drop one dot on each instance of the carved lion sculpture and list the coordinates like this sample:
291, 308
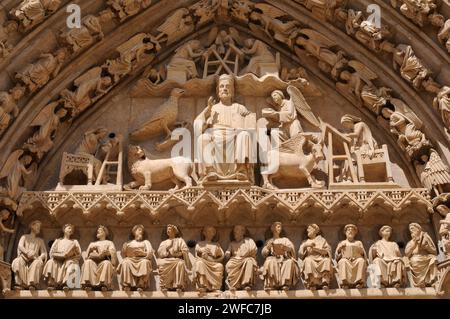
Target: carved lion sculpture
293, 162
147, 171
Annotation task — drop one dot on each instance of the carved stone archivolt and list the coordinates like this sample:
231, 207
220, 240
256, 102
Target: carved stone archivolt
183, 125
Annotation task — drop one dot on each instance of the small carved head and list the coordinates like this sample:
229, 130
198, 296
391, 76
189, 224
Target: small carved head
106, 81
249, 43
102, 232
415, 230
350, 231
138, 232
4, 214
397, 119
349, 121
312, 230
276, 228
225, 87
277, 97
239, 232
317, 151
26, 159
17, 92
209, 233
68, 230
385, 232
172, 231
136, 151
61, 55
35, 226
195, 45
61, 113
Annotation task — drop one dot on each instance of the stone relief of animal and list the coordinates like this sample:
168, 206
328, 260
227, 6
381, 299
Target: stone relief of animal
147, 171
293, 162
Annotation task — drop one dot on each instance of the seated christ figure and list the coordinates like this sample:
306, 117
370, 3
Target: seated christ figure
224, 148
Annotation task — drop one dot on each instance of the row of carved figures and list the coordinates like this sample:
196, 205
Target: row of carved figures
315, 266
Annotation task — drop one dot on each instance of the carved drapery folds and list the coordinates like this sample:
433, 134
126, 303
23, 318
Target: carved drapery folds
280, 269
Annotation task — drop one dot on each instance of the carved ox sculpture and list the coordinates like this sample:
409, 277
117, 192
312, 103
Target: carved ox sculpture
297, 158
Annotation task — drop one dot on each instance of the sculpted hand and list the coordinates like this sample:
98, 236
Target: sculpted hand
211, 102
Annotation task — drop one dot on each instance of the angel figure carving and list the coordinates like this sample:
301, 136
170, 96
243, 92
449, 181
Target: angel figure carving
267, 17
442, 103
411, 67
128, 8
365, 31
433, 172
36, 75
177, 25
8, 106
285, 112
291, 153
48, 121
90, 86
319, 46
205, 10
79, 38
32, 12
15, 171
354, 82
406, 125
444, 34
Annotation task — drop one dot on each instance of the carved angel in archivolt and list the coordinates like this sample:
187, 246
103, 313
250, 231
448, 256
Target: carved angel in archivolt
442, 103
433, 172
128, 8
176, 25
48, 121
411, 67
15, 171
36, 75
365, 30
32, 12
319, 46
444, 34
79, 38
355, 81
8, 106
416, 10
241, 9
406, 125
89, 87
205, 10
267, 17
